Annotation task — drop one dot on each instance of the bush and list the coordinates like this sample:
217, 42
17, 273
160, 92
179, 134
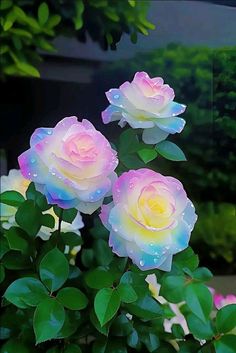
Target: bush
28, 27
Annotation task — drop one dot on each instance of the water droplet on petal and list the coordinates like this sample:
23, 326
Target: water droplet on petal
29, 174
116, 96
141, 262
49, 132
156, 260
32, 160
115, 229
35, 175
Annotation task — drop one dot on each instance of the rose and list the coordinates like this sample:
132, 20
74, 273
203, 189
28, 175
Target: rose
15, 181
72, 164
150, 218
145, 103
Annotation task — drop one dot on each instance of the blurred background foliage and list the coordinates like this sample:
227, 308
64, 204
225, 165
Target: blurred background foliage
204, 79
28, 27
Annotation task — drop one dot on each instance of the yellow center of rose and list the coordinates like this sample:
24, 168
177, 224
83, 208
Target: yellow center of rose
155, 208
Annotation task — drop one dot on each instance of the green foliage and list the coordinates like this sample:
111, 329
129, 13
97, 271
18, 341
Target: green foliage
26, 27
101, 303
170, 151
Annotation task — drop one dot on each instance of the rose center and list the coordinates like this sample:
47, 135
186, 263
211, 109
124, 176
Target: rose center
155, 207
81, 147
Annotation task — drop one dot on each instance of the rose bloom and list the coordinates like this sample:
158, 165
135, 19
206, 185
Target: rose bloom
72, 164
15, 181
145, 103
150, 218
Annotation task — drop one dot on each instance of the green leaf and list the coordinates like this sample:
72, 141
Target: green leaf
72, 348
71, 324
127, 293
202, 274
201, 330
12, 198
226, 318
14, 260
54, 269
99, 345
78, 19
177, 331
106, 304
172, 288
128, 142
150, 339
104, 330
28, 217
87, 257
137, 282
121, 326
226, 344
170, 151
147, 155
2, 273
48, 220
72, 239
15, 345
43, 13
72, 298
103, 253
199, 300
67, 215
17, 239
25, 292
5, 4
98, 278
53, 21
186, 258
49, 318
133, 340
145, 308
28, 69
36, 196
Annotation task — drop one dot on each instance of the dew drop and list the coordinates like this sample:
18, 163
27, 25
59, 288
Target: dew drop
29, 174
116, 96
141, 262
151, 244
35, 175
32, 160
167, 247
115, 230
53, 173
156, 260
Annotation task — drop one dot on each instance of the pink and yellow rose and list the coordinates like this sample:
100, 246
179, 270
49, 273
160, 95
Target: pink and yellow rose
150, 218
72, 164
145, 103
